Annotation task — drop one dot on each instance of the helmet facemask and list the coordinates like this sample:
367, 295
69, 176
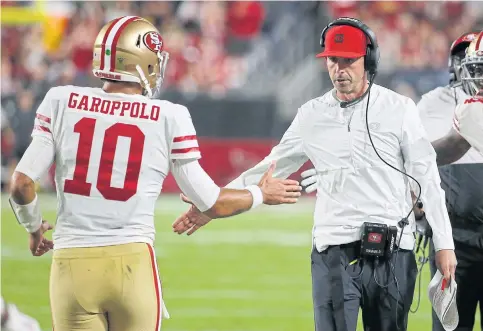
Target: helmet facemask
472, 75
152, 82
455, 69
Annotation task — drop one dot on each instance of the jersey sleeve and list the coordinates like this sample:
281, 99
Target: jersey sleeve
468, 122
184, 143
38, 158
195, 183
43, 116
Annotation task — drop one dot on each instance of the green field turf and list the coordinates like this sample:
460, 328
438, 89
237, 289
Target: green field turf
247, 273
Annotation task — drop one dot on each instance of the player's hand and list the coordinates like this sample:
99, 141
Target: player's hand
38, 244
191, 220
278, 191
446, 263
309, 180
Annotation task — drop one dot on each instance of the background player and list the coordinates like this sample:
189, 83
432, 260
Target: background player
113, 147
461, 172
467, 128
469, 115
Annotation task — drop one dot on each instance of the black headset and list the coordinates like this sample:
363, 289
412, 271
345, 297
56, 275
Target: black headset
371, 59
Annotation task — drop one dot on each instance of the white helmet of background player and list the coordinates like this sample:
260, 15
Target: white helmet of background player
472, 66
457, 53
130, 49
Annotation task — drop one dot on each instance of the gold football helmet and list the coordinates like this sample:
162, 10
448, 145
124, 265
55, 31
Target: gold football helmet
472, 66
130, 49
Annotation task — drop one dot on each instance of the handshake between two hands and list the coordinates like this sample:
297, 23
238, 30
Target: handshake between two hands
275, 191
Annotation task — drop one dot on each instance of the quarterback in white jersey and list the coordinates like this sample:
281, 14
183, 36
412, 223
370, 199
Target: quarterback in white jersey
113, 152
113, 147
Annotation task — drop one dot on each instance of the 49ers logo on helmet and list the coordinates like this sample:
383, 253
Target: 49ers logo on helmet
153, 41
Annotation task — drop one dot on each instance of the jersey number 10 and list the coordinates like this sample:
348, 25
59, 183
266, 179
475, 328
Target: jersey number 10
79, 185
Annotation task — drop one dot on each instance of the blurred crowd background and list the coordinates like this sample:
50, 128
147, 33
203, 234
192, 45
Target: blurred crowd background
242, 67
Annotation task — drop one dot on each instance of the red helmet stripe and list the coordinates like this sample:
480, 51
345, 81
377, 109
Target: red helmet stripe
108, 48
479, 41
104, 40
116, 39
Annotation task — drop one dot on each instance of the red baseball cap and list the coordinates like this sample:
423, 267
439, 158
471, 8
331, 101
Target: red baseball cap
344, 41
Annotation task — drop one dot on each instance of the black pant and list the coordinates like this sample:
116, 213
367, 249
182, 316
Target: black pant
468, 276
379, 304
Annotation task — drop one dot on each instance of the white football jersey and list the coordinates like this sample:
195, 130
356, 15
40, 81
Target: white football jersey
468, 121
112, 154
436, 109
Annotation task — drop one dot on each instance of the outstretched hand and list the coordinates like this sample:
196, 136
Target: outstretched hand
278, 191
191, 220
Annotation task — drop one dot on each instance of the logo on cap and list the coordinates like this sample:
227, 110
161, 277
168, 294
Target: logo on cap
339, 38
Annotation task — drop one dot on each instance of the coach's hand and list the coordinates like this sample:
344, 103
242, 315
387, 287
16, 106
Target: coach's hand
446, 263
278, 191
38, 244
309, 180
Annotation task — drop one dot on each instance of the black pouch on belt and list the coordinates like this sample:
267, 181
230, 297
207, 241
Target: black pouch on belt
378, 240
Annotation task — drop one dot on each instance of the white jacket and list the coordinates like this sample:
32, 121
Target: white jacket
353, 185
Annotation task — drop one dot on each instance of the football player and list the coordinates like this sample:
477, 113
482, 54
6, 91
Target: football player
460, 168
113, 147
467, 125
469, 115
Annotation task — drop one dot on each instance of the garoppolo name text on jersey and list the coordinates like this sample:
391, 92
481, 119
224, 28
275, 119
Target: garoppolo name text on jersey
122, 108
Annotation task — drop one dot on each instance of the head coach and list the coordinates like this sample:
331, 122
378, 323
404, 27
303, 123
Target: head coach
369, 150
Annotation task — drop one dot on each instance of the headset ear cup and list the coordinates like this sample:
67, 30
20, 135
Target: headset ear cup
373, 59
322, 35
368, 59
